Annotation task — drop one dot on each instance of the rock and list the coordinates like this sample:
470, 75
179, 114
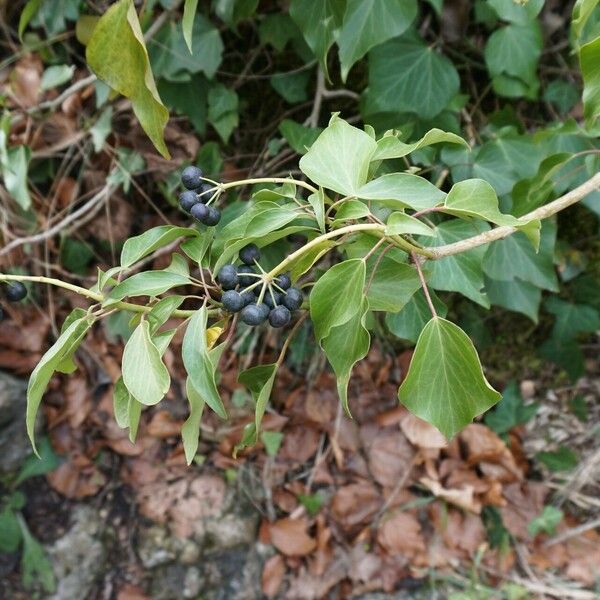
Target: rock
192, 584
156, 547
232, 530
168, 582
14, 443
78, 557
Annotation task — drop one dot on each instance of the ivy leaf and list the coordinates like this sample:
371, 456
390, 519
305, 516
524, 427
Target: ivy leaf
189, 12
33, 465
317, 201
389, 146
546, 522
149, 283
35, 566
319, 22
445, 384
406, 75
44, 370
566, 354
368, 24
138, 247
411, 320
10, 532
401, 223
14, 163
516, 295
259, 380
462, 273
517, 12
144, 374
337, 296
162, 311
198, 363
117, 54
391, 285
292, 87
345, 345
510, 411
402, 190
563, 459
589, 59
223, 110
299, 137
514, 257
339, 158
571, 319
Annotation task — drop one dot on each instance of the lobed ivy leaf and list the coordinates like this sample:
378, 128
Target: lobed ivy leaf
510, 411
389, 146
117, 54
445, 384
517, 12
571, 319
299, 137
516, 295
390, 284
345, 345
144, 374
337, 296
149, 283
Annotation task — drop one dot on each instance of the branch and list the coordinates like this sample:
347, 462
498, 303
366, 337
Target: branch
499, 233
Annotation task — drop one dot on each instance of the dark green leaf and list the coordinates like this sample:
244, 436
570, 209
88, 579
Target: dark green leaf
510, 411
563, 459
546, 522
138, 247
47, 461
149, 283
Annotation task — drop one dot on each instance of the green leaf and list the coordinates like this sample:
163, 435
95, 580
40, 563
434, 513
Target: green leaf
582, 11
144, 373
337, 296
368, 24
563, 459
517, 12
15, 163
277, 29
392, 284
189, 12
317, 201
514, 257
259, 380
197, 247
10, 532
36, 569
198, 363
399, 223
299, 137
411, 320
223, 110
101, 129
272, 441
339, 158
402, 190
190, 430
44, 370
121, 400
589, 62
117, 54
462, 273
319, 22
56, 75
234, 11
350, 210
292, 87
510, 411
33, 465
29, 11
445, 384
546, 521
162, 311
149, 283
344, 346
170, 55
389, 146
407, 75
305, 262
138, 247
516, 295
566, 354
571, 319
563, 94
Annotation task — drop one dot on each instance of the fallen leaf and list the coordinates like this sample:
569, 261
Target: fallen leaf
77, 477
272, 576
290, 538
463, 498
401, 534
355, 504
420, 433
390, 456
524, 502
163, 425
299, 444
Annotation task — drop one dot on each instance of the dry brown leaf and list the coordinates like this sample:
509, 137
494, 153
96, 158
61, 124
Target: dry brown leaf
524, 502
584, 557
77, 477
463, 498
78, 401
131, 592
401, 534
390, 456
26, 80
299, 444
163, 425
290, 538
355, 504
420, 433
272, 576
364, 565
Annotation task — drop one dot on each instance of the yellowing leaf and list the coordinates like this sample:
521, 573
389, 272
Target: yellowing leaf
117, 54
212, 335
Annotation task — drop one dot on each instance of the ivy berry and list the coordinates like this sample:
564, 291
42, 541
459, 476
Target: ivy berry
280, 316
228, 277
187, 200
292, 299
232, 301
272, 298
200, 212
254, 314
249, 254
191, 178
15, 291
244, 280
283, 281
213, 216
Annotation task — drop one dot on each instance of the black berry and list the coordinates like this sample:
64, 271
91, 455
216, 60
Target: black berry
228, 277
283, 281
200, 212
292, 299
191, 177
253, 314
187, 199
249, 254
248, 297
264, 309
205, 192
245, 281
213, 216
280, 316
269, 298
232, 301
15, 291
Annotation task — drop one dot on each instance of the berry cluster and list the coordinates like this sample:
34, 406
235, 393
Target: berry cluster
14, 291
257, 299
197, 197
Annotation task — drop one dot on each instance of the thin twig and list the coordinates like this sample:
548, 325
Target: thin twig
573, 532
417, 262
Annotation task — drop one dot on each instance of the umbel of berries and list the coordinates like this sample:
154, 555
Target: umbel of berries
255, 297
194, 200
